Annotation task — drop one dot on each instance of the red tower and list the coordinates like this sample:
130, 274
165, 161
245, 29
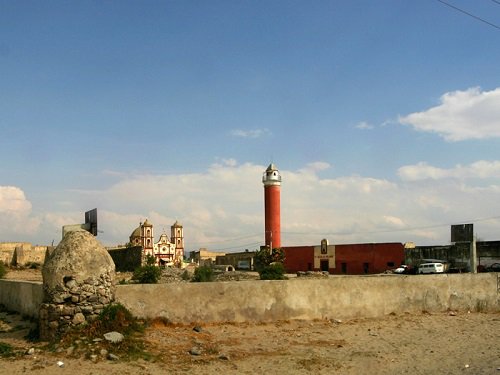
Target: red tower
272, 186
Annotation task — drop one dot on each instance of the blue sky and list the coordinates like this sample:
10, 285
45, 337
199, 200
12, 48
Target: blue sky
383, 117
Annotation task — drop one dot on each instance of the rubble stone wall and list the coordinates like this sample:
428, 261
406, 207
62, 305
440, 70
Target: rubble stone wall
74, 304
21, 253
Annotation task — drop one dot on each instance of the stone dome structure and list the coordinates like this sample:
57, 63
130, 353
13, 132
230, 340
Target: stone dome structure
78, 282
79, 256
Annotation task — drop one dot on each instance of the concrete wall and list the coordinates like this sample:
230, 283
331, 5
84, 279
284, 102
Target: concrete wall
126, 259
24, 297
335, 297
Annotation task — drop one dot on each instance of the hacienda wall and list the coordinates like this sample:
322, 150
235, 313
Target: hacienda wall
22, 253
336, 297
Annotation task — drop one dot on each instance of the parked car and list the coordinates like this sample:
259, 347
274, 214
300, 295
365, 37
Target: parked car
431, 268
495, 267
401, 269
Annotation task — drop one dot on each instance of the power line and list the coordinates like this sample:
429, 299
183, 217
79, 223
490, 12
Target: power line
470, 14
393, 230
220, 242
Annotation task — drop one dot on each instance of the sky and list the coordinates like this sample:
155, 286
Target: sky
383, 118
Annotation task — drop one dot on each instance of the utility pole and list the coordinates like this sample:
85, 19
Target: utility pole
473, 257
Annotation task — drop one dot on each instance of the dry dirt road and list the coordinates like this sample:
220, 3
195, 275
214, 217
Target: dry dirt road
444, 343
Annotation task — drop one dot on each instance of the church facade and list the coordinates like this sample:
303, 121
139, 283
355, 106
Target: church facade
166, 251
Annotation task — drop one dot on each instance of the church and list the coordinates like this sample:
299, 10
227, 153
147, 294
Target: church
166, 251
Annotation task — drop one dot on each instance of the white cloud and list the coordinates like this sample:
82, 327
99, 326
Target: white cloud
13, 201
364, 126
15, 213
252, 133
461, 115
222, 207
394, 221
314, 167
422, 171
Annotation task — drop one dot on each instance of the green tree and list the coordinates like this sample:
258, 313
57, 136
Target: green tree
269, 264
203, 274
274, 271
148, 274
264, 257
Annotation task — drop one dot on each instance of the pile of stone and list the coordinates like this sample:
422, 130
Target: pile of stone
236, 276
78, 281
313, 274
175, 275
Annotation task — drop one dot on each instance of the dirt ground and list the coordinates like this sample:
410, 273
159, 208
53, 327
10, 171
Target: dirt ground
444, 343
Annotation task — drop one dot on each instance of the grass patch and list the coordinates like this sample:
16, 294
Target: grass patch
6, 350
89, 339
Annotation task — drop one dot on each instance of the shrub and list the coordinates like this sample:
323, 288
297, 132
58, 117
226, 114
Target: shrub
185, 275
264, 257
203, 274
3, 270
147, 274
275, 271
117, 317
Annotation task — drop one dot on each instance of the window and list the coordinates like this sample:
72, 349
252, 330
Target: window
390, 264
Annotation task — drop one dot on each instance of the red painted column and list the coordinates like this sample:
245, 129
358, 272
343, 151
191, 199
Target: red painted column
272, 203
273, 216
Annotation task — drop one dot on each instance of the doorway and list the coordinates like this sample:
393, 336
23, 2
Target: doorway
324, 265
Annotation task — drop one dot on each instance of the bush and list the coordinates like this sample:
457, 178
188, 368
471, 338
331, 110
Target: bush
147, 274
275, 271
3, 270
264, 257
117, 317
203, 274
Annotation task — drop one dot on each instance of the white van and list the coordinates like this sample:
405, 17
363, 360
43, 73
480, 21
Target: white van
431, 268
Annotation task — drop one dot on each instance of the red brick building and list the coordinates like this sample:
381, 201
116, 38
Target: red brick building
352, 259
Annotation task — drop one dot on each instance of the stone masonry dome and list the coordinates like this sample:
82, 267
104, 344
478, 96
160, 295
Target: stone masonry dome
79, 256
78, 282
